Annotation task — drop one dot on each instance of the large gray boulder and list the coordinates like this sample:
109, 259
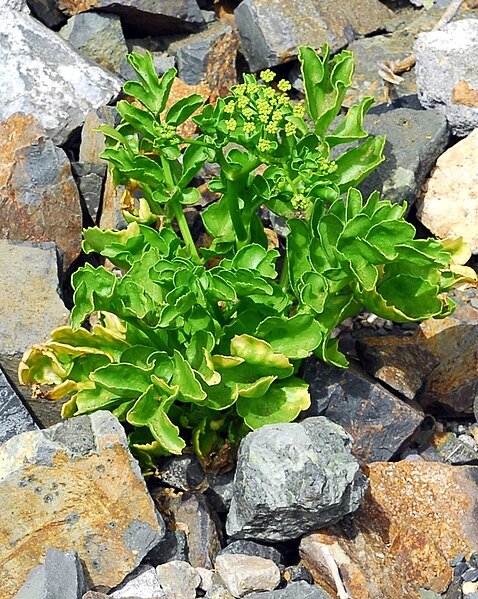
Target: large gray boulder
447, 73
292, 478
42, 75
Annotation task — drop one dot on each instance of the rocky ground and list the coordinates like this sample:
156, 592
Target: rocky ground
374, 493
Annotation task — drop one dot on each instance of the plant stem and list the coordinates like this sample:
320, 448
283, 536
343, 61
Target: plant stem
233, 204
284, 275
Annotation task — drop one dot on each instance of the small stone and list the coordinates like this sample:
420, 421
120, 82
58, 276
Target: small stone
90, 179
294, 590
207, 577
14, 417
179, 580
297, 573
444, 79
449, 207
458, 559
219, 492
245, 547
173, 547
292, 478
469, 588
143, 583
183, 472
243, 574
470, 575
473, 561
81, 486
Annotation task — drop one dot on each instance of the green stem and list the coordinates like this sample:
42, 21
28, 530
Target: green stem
284, 275
233, 204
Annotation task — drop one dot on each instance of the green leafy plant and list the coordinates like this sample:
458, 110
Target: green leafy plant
187, 353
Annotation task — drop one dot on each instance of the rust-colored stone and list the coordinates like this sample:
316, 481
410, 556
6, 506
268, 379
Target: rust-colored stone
39, 200
415, 517
221, 72
464, 94
180, 90
74, 486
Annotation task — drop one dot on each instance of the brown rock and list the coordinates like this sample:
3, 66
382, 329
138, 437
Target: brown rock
449, 207
39, 200
399, 362
74, 485
181, 90
221, 72
415, 517
453, 384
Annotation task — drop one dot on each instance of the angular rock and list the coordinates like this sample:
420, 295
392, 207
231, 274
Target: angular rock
39, 200
415, 518
218, 591
452, 387
293, 478
77, 485
378, 421
14, 417
415, 139
47, 12
272, 31
449, 207
447, 73
206, 578
60, 576
190, 512
143, 583
98, 37
243, 574
42, 75
93, 141
219, 493
20, 5
148, 17
245, 547
208, 57
294, 590
29, 272
455, 450
399, 362
90, 179
179, 580
183, 472
174, 546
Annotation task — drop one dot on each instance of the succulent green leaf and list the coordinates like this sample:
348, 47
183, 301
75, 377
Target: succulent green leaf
356, 164
183, 109
294, 337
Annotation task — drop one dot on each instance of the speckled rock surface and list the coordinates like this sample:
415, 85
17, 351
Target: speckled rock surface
42, 75
245, 573
415, 518
14, 417
74, 485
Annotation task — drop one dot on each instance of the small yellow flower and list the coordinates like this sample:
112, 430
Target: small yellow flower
249, 127
242, 102
264, 118
269, 93
248, 113
229, 107
239, 90
290, 129
253, 88
284, 85
263, 145
272, 128
298, 110
267, 76
231, 125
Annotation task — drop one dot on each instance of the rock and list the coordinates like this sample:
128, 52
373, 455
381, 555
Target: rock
39, 200
243, 574
271, 32
76, 484
148, 17
218, 591
449, 206
93, 141
14, 417
378, 421
195, 54
415, 139
98, 37
28, 271
42, 75
415, 517
190, 513
47, 12
90, 179
162, 60
294, 590
143, 583
455, 450
178, 579
292, 478
206, 578
245, 547
399, 362
452, 386
183, 472
19, 5
60, 576
447, 73
219, 492
173, 546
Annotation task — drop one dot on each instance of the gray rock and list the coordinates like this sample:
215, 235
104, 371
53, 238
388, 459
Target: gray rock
143, 583
378, 421
415, 139
90, 179
272, 30
294, 590
31, 309
218, 591
47, 12
179, 580
14, 417
173, 547
20, 5
145, 17
60, 577
293, 478
183, 472
219, 493
243, 574
459, 451
98, 37
247, 547
447, 73
42, 75
193, 52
